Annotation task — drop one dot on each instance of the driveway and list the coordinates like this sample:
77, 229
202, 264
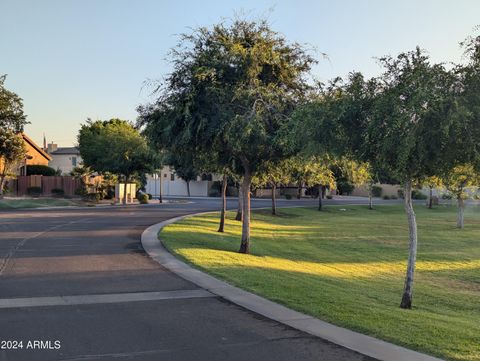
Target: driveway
77, 284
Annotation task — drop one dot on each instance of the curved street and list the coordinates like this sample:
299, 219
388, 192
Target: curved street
78, 282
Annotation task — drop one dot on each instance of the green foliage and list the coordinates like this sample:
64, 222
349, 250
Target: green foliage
12, 117
36, 169
377, 191
34, 191
386, 196
142, 198
460, 178
94, 197
417, 194
288, 196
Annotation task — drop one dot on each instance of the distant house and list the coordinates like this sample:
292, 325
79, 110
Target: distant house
35, 155
64, 158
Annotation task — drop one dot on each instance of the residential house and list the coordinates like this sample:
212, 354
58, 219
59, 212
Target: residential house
35, 155
64, 158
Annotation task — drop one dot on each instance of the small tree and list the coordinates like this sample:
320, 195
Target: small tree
457, 181
183, 164
12, 151
432, 183
12, 122
114, 146
274, 175
359, 174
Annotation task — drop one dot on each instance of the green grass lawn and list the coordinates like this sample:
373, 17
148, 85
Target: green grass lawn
36, 203
347, 267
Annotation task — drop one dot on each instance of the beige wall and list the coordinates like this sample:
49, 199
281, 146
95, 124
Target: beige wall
387, 189
64, 162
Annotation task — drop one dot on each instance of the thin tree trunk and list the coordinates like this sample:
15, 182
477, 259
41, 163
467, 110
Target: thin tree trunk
460, 212
274, 199
125, 191
412, 255
247, 181
160, 200
2, 185
224, 204
239, 217
320, 195
370, 200
299, 192
430, 200
188, 188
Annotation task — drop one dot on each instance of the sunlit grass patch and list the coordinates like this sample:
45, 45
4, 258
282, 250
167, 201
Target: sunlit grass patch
347, 267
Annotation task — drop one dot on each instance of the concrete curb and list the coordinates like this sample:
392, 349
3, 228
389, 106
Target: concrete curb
355, 341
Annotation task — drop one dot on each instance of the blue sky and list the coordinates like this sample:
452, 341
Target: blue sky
73, 59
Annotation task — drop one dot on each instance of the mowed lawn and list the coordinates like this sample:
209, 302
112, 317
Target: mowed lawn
35, 203
346, 265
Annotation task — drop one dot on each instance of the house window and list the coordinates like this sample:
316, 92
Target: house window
74, 161
172, 177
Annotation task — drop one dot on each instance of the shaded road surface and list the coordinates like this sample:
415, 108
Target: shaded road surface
81, 277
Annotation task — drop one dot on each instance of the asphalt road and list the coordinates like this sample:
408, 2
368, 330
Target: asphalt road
124, 305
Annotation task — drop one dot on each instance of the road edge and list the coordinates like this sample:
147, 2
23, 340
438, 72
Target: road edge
352, 340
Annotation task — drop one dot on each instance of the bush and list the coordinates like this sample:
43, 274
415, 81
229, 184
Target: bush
58, 192
288, 196
92, 197
329, 196
41, 170
149, 196
345, 188
377, 191
142, 198
416, 194
386, 196
400, 193
34, 191
393, 197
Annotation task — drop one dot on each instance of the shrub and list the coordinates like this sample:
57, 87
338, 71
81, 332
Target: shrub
400, 193
58, 192
416, 194
34, 191
386, 196
393, 197
41, 170
345, 187
329, 196
143, 198
92, 197
377, 191
149, 196
288, 196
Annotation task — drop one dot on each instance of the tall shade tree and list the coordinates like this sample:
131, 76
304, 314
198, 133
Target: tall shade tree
11, 109
410, 132
232, 90
115, 146
457, 181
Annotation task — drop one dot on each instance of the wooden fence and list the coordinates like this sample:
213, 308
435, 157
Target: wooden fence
20, 185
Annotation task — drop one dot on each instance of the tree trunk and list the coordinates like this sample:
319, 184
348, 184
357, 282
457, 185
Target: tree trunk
2, 184
188, 188
299, 192
370, 199
247, 181
160, 200
460, 212
274, 199
239, 217
125, 191
224, 204
412, 255
430, 200
320, 195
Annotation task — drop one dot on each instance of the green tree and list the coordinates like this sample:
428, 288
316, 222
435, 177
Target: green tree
359, 173
274, 175
183, 165
115, 146
457, 181
12, 151
410, 130
432, 182
231, 91
12, 122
